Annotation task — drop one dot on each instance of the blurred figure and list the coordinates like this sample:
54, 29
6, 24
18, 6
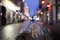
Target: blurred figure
32, 19
3, 20
24, 36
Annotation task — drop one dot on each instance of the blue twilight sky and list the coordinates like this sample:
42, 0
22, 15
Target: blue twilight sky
33, 5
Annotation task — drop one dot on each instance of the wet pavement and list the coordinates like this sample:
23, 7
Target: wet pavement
10, 32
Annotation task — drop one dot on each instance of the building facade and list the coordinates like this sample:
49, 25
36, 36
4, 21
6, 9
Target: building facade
53, 12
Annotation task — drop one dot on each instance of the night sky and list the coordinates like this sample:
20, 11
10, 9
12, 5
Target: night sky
33, 5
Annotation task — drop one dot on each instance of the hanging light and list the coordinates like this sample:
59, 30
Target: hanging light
43, 2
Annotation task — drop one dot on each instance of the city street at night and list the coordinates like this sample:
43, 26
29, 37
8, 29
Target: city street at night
29, 19
10, 32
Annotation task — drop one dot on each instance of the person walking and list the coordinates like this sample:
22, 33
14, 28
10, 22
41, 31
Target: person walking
3, 20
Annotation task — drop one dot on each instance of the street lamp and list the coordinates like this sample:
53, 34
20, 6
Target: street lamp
48, 5
43, 1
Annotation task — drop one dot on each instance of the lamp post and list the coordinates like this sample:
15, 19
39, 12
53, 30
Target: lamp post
49, 14
42, 13
43, 10
56, 6
49, 6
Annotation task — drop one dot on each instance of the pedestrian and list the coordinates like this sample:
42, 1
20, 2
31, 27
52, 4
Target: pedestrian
3, 20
